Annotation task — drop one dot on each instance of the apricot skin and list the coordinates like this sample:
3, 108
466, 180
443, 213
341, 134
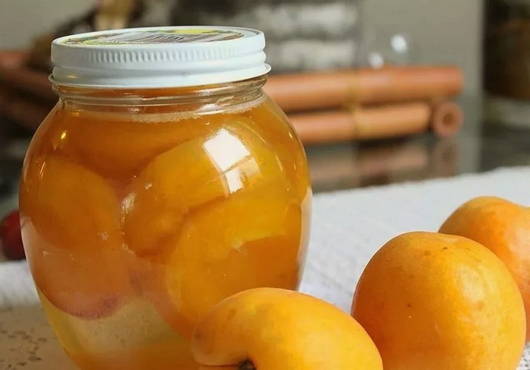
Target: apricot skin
504, 228
437, 302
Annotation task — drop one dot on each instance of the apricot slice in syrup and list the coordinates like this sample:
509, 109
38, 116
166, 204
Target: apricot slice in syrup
71, 230
192, 174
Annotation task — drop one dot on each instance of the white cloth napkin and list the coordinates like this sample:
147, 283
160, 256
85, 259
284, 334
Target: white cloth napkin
347, 228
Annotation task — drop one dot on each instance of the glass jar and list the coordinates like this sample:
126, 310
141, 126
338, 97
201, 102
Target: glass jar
143, 206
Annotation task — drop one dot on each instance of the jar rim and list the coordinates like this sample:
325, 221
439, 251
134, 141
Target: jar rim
162, 95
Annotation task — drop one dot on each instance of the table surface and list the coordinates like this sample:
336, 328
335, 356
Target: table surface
480, 146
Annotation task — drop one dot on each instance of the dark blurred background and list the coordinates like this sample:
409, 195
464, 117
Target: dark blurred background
440, 32
307, 36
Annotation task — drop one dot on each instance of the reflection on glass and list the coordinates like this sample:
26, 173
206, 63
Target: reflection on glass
231, 157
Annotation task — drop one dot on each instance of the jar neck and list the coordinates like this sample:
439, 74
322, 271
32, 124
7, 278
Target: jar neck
207, 98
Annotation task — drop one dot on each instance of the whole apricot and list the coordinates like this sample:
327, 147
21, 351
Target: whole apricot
438, 302
277, 329
504, 228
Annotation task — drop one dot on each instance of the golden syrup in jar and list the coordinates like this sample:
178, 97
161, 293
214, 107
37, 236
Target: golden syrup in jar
139, 217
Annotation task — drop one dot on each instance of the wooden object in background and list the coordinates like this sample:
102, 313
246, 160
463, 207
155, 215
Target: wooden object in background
322, 90
28, 112
28, 80
15, 74
361, 123
26, 96
447, 118
112, 14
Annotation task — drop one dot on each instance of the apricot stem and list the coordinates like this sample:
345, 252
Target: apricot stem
247, 365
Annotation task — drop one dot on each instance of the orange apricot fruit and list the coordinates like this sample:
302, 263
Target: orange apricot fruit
229, 247
504, 228
71, 233
193, 174
252, 239
118, 145
224, 224
165, 191
436, 301
277, 329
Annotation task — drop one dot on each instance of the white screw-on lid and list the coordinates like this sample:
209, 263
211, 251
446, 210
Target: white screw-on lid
159, 57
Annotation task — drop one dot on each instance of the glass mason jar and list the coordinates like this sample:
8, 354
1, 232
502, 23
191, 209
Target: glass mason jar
163, 181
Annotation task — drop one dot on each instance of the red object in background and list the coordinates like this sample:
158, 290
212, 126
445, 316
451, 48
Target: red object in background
11, 238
